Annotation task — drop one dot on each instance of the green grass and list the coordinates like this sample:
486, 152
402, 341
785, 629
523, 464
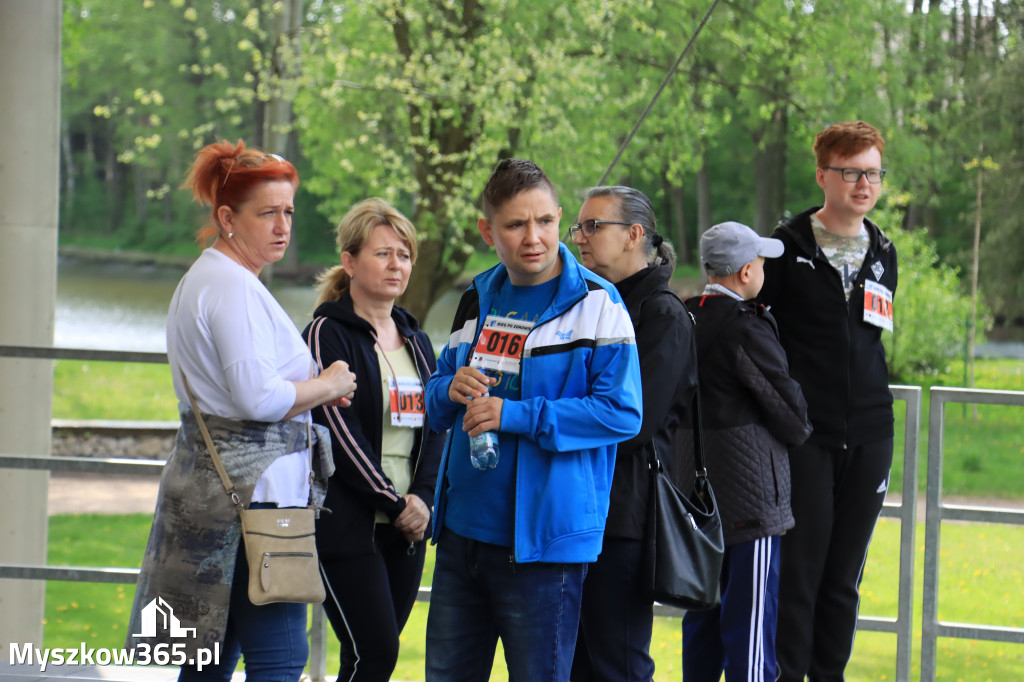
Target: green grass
113, 390
981, 582
96, 614
983, 458
980, 458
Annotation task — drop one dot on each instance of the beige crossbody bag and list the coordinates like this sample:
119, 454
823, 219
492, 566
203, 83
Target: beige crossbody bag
280, 545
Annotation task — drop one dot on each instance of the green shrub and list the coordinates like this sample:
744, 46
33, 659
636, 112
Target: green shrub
930, 310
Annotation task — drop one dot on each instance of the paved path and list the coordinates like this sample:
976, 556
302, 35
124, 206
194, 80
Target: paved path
78, 493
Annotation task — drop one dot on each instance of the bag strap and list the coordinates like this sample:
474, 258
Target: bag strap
698, 443
698, 438
225, 480
229, 487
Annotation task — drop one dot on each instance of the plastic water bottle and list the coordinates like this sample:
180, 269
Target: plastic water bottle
483, 450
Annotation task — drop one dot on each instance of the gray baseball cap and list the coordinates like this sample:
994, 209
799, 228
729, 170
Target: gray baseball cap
727, 247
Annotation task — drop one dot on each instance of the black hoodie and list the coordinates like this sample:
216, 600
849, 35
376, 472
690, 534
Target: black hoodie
359, 488
837, 358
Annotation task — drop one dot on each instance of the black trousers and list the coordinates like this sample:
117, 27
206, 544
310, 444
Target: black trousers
369, 599
837, 497
615, 618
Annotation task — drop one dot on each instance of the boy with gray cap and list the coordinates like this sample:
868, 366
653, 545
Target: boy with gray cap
752, 412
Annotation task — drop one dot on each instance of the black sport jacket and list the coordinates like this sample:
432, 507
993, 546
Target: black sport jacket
668, 370
359, 488
837, 358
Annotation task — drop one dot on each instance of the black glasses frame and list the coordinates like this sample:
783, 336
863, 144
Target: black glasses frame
853, 175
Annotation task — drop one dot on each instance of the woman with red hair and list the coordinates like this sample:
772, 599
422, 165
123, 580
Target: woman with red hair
234, 352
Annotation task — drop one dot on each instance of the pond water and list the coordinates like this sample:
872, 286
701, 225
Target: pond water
114, 306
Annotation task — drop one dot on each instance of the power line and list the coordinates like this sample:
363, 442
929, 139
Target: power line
657, 94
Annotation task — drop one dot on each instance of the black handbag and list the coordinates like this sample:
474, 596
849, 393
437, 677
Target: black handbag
684, 544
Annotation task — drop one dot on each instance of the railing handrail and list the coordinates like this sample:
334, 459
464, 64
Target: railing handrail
905, 510
54, 353
936, 512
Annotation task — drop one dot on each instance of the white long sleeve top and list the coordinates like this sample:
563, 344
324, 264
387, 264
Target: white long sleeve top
241, 353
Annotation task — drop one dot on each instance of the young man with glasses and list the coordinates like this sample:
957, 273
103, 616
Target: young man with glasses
832, 295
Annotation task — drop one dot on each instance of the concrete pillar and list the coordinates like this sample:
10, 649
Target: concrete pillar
30, 40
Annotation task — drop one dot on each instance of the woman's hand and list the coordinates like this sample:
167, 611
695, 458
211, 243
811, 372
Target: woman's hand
340, 382
413, 520
333, 387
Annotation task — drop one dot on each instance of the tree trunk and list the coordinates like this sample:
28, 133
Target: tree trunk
770, 172
112, 178
278, 111
913, 217
139, 186
703, 195
68, 189
431, 278
676, 195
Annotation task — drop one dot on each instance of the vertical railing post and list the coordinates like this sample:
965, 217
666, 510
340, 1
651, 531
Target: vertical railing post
932, 527
908, 528
30, 80
318, 645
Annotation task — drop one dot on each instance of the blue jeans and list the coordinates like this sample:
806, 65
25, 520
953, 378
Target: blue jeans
272, 637
480, 594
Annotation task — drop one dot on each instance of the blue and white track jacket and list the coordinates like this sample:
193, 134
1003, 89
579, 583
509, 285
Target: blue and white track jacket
581, 396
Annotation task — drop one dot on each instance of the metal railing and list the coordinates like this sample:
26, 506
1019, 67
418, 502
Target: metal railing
318, 626
936, 512
904, 510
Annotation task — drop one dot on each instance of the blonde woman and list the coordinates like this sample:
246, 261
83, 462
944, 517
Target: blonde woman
372, 546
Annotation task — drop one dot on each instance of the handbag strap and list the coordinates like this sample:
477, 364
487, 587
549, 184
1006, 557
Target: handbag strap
698, 443
698, 438
225, 480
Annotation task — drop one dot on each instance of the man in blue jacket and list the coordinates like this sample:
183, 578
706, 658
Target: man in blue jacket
542, 352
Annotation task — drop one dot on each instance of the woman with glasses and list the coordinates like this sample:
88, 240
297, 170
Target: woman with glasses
372, 546
236, 354
617, 238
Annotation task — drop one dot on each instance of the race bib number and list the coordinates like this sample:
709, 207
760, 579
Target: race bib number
500, 346
877, 305
407, 403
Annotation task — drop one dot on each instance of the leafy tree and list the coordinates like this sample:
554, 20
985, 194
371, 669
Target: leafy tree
416, 100
147, 84
931, 309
